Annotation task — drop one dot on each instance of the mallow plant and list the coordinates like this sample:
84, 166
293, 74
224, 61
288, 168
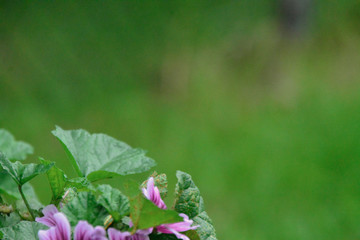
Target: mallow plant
82, 209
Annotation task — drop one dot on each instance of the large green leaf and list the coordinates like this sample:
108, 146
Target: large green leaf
145, 214
22, 231
13, 150
80, 184
98, 156
9, 220
189, 201
85, 207
22, 173
114, 201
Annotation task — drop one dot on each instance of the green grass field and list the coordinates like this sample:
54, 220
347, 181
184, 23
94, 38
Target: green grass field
268, 127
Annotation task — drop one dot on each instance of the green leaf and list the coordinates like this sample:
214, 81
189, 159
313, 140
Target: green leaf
98, 156
57, 180
187, 196
24, 230
85, 207
9, 190
156, 236
80, 184
206, 230
22, 173
189, 201
8, 187
116, 203
145, 214
193, 235
160, 181
13, 150
9, 220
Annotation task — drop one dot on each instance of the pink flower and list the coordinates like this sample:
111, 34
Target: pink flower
61, 230
153, 194
60, 227
115, 234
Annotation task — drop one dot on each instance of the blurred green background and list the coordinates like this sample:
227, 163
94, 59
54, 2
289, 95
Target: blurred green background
258, 100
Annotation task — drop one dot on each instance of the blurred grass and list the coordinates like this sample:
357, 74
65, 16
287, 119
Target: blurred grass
267, 126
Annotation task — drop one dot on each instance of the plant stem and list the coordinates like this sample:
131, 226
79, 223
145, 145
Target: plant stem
26, 202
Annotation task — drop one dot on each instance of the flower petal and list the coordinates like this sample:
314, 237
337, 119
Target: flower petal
99, 233
48, 218
175, 228
115, 234
83, 230
179, 235
153, 194
150, 187
63, 230
44, 235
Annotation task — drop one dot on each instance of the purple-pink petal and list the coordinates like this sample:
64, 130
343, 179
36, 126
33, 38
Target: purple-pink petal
84, 231
63, 226
61, 230
153, 194
48, 218
176, 228
177, 234
48, 234
144, 231
99, 233
115, 234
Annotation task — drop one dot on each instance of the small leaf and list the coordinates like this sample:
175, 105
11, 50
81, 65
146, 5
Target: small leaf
57, 180
98, 156
23, 230
13, 150
145, 214
193, 235
116, 203
22, 173
189, 201
85, 207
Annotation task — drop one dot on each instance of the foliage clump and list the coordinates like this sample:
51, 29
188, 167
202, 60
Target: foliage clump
85, 205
